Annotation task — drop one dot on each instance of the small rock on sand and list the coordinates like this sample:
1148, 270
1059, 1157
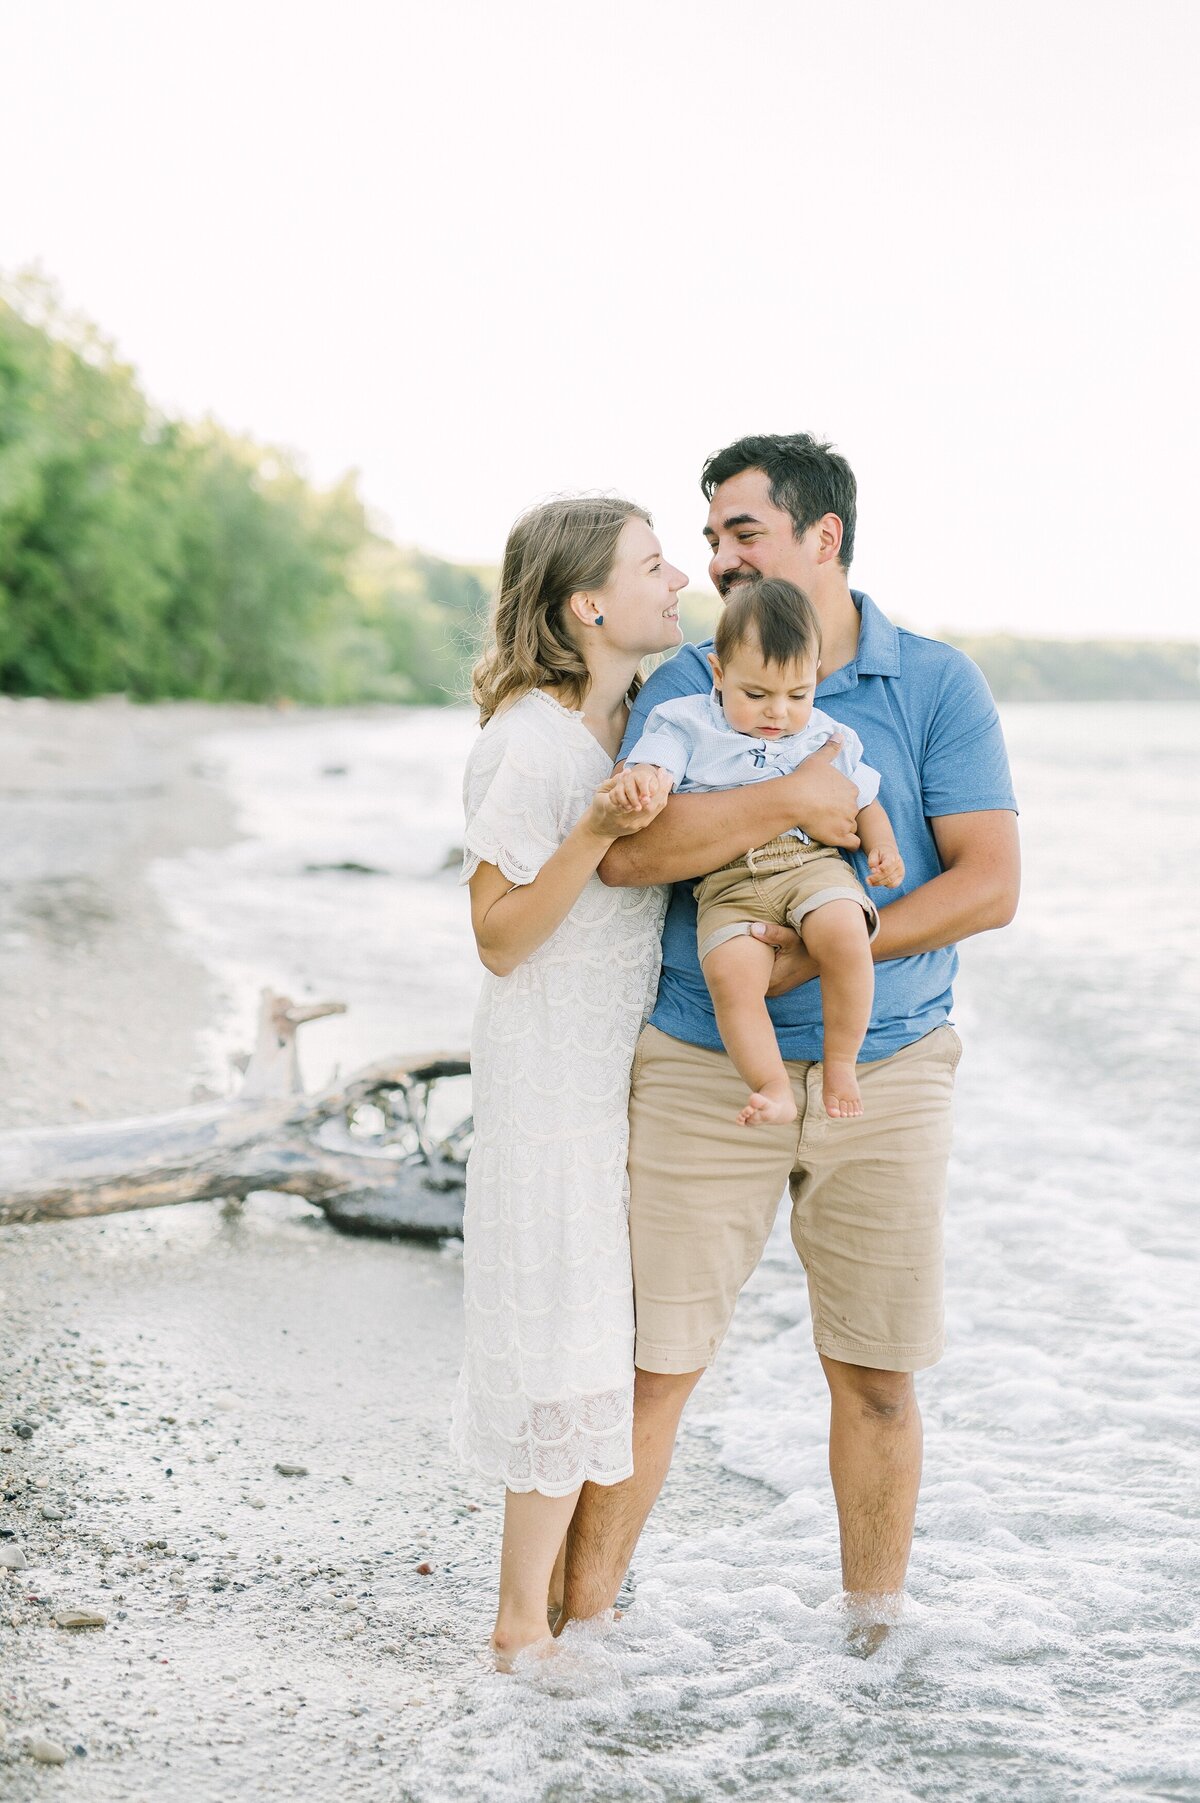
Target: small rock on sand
12, 1558
80, 1618
46, 1752
286, 1470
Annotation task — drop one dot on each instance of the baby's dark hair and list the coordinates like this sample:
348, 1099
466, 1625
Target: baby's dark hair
776, 613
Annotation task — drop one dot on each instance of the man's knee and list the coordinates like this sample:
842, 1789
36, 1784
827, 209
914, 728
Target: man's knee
881, 1395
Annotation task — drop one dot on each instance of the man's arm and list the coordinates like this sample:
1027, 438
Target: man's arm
698, 833
976, 891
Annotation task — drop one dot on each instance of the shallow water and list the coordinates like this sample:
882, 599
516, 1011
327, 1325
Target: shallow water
1050, 1645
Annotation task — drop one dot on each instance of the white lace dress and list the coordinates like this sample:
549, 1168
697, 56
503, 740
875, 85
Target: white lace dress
545, 1399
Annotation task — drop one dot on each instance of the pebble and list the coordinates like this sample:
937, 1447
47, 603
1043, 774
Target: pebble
24, 1430
46, 1752
291, 1470
424, 1569
49, 1513
12, 1558
80, 1618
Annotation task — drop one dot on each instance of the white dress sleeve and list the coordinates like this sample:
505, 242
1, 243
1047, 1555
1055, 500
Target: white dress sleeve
512, 798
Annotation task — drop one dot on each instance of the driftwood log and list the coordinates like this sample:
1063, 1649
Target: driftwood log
360, 1149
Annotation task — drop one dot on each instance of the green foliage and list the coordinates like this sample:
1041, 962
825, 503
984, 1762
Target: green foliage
1086, 669
160, 558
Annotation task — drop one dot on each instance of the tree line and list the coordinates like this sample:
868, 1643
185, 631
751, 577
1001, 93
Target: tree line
164, 557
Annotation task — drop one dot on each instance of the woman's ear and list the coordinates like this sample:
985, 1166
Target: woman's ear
584, 607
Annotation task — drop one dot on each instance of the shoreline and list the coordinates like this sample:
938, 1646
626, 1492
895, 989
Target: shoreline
267, 1633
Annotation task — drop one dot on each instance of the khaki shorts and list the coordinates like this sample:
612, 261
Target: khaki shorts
867, 1202
781, 882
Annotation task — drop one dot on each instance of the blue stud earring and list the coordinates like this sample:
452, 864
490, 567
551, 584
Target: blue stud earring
599, 619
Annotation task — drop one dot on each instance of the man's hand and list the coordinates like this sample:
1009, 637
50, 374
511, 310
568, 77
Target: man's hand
793, 965
824, 801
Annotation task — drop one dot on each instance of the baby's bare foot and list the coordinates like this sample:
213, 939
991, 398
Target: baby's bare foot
771, 1106
839, 1089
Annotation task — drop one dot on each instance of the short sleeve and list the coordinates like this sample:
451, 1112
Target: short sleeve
511, 799
664, 743
849, 761
965, 766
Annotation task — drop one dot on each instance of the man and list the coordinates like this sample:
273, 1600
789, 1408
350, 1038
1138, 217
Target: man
867, 1194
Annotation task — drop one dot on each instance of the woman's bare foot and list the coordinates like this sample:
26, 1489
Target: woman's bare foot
839, 1089
515, 1638
771, 1106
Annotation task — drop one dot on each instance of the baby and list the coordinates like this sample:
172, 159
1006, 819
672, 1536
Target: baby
760, 722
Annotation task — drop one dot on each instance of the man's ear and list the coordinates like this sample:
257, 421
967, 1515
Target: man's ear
829, 539
715, 666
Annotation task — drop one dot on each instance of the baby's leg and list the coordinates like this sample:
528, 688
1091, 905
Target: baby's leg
835, 936
737, 973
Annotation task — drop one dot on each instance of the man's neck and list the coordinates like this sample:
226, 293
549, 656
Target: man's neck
840, 623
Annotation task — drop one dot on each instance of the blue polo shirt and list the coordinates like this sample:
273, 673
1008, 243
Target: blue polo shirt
928, 723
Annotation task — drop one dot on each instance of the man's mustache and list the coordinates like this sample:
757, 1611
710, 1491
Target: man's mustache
725, 583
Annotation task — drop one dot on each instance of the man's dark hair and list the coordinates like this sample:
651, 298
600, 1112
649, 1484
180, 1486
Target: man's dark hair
807, 478
776, 613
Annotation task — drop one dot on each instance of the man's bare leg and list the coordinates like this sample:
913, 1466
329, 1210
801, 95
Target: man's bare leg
875, 1443
609, 1518
554, 1595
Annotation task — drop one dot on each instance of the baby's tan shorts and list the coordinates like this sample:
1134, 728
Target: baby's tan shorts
781, 881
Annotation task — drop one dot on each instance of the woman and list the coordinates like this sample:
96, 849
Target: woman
545, 1400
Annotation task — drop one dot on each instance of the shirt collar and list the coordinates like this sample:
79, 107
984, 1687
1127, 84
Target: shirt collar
878, 651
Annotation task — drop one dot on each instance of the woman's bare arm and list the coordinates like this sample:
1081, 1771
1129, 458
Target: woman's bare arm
511, 920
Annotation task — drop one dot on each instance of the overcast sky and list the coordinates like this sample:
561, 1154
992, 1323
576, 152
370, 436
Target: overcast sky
482, 251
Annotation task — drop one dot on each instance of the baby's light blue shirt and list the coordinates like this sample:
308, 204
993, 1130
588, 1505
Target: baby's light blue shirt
925, 715
691, 738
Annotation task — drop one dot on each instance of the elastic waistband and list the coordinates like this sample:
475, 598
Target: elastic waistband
777, 855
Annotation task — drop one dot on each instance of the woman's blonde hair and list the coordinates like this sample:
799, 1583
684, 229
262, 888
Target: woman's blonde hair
554, 551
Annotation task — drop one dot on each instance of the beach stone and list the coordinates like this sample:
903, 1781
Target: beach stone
80, 1618
285, 1470
24, 1430
12, 1558
50, 1513
46, 1752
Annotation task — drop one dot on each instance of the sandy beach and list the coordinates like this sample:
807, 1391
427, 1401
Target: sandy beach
268, 1632
224, 1430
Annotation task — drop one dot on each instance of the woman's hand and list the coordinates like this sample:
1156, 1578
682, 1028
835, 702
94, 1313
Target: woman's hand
629, 801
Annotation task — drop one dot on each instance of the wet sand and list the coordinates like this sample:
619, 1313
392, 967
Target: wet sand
268, 1633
